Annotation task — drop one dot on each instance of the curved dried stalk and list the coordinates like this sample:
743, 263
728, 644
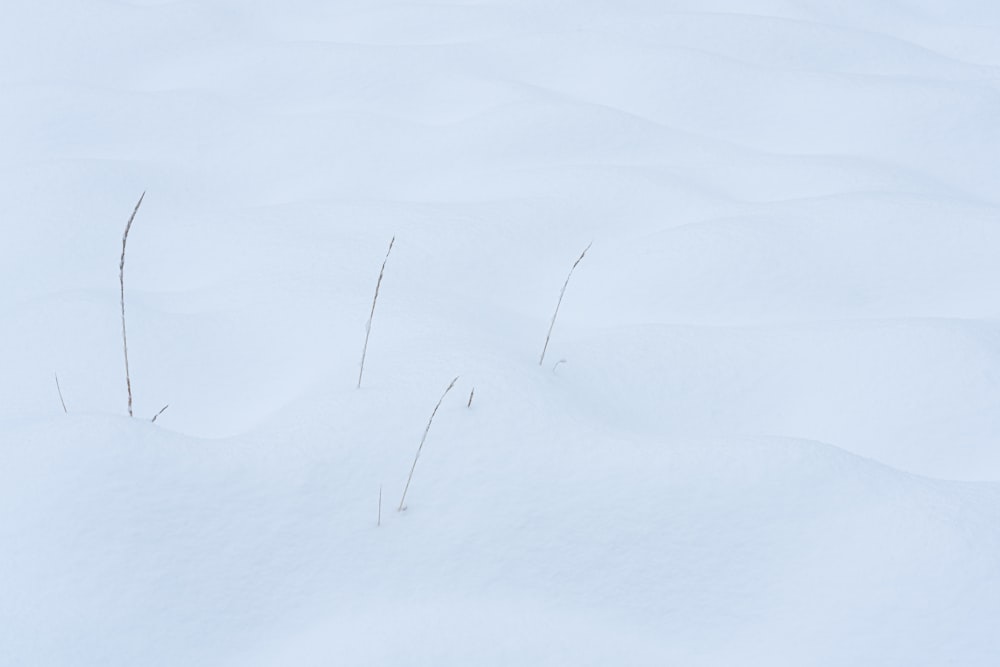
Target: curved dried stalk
59, 389
121, 281
422, 440
562, 293
371, 316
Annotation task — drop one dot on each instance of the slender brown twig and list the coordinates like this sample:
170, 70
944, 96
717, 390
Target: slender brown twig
121, 281
368, 327
562, 293
422, 440
471, 394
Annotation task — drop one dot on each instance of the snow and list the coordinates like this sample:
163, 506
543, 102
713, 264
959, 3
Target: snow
765, 430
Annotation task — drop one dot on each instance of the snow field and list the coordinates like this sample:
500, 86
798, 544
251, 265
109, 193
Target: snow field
773, 437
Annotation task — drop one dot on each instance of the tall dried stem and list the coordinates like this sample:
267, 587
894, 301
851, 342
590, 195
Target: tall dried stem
422, 440
121, 281
371, 316
562, 293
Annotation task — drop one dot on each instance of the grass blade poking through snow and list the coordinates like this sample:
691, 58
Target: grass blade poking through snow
421, 447
368, 327
162, 410
121, 280
562, 293
59, 389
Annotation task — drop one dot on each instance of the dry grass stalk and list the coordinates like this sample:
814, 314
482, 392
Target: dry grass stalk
121, 280
368, 327
421, 447
471, 394
562, 293
59, 389
162, 410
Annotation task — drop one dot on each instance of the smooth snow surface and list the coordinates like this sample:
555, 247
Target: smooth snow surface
767, 428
